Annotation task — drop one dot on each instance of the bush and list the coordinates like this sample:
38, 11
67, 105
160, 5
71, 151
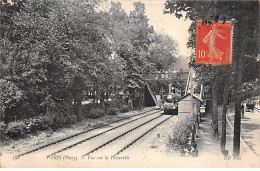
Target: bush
112, 111
3, 127
16, 129
181, 134
116, 103
23, 110
71, 119
86, 109
59, 117
20, 128
95, 113
37, 123
58, 120
124, 109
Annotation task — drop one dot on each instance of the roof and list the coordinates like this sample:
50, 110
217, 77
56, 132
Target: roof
196, 97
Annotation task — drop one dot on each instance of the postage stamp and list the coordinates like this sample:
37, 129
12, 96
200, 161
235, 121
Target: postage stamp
214, 43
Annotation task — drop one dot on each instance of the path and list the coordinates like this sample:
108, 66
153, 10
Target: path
209, 147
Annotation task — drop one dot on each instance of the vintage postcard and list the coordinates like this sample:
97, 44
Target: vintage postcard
129, 84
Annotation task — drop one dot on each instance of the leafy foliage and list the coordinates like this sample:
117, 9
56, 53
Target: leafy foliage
112, 111
162, 51
19, 129
96, 113
124, 109
244, 15
51, 51
9, 93
181, 134
116, 103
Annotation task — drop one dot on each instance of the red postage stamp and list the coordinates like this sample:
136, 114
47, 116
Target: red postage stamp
214, 43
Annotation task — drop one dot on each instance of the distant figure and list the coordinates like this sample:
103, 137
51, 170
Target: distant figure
242, 109
253, 106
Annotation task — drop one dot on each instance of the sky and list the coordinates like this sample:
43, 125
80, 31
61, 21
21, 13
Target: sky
164, 23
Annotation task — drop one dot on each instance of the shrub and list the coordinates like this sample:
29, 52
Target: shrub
86, 109
112, 111
61, 115
16, 129
20, 128
95, 113
55, 119
116, 103
3, 127
71, 119
181, 134
124, 109
37, 123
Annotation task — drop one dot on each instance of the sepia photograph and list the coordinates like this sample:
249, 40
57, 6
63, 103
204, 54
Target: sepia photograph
129, 84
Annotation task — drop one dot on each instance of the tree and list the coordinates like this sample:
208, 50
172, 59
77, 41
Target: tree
244, 16
54, 42
162, 51
130, 42
52, 51
141, 49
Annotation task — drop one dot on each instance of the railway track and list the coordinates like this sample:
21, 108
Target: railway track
97, 139
116, 141
123, 143
94, 132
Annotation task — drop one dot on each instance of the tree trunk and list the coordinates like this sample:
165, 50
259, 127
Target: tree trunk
130, 102
79, 111
79, 105
143, 99
237, 86
140, 99
102, 100
214, 108
224, 112
237, 119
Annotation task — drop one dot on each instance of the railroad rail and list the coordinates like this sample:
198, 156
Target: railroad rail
139, 137
88, 131
94, 146
120, 136
99, 134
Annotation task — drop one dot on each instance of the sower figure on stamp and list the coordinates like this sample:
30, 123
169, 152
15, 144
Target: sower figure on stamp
210, 39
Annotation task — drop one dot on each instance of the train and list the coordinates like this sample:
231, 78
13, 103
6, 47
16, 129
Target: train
170, 104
